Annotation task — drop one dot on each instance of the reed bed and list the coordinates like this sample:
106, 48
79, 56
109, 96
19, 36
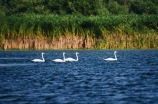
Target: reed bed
128, 42
126, 30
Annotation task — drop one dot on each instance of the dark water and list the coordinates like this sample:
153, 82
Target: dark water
132, 79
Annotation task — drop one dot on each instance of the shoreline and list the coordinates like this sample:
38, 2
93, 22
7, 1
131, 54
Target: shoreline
70, 49
70, 42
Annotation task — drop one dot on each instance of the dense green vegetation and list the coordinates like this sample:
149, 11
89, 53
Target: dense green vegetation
96, 26
96, 18
78, 7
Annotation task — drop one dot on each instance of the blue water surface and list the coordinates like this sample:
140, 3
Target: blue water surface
132, 79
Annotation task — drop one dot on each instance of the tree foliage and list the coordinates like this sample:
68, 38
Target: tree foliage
146, 7
78, 7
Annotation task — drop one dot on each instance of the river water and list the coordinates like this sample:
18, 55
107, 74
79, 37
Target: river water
132, 79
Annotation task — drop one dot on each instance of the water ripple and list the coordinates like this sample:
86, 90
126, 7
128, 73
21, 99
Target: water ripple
133, 78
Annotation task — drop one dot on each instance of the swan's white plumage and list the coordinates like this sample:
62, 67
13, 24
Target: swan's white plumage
71, 59
112, 59
39, 60
60, 60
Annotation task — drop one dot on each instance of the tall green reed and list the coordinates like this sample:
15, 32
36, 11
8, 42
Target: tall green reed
95, 26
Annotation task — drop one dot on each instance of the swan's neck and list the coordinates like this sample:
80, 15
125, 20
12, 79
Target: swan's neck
77, 57
42, 57
63, 57
115, 56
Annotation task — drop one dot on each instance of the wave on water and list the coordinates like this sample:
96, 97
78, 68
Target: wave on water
12, 58
15, 64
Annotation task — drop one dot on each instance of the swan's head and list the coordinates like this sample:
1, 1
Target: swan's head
115, 52
43, 53
77, 53
64, 53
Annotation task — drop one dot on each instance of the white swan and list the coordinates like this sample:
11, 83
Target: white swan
60, 60
71, 59
112, 59
39, 60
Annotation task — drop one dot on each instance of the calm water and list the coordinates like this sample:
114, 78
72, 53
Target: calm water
132, 79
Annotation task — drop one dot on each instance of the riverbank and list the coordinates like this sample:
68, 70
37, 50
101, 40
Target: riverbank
115, 41
38, 32
37, 43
